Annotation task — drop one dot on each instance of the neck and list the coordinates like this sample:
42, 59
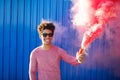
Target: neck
46, 47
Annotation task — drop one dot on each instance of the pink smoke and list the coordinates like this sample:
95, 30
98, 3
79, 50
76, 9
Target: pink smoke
94, 15
87, 13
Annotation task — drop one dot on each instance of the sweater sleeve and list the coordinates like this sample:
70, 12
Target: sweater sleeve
68, 58
32, 66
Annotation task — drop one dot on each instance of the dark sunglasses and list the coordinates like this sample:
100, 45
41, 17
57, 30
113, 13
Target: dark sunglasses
49, 34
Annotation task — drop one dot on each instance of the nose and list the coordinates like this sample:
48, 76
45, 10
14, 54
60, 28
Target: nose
47, 36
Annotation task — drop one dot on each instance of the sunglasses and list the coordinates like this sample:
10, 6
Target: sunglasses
47, 34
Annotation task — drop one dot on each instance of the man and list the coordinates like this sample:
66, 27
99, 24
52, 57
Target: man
46, 58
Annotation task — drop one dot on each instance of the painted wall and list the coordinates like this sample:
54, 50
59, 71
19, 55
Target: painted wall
18, 37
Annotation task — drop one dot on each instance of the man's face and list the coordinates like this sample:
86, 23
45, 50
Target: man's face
46, 37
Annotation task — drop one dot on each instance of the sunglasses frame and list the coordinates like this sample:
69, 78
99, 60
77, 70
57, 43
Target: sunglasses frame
47, 34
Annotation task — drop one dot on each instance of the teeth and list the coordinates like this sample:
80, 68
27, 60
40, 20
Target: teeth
47, 40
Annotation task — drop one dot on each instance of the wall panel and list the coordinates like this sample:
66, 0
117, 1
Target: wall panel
18, 37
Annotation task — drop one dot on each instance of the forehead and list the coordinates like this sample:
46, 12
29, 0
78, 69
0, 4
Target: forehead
47, 31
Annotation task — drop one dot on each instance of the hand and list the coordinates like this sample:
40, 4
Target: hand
80, 57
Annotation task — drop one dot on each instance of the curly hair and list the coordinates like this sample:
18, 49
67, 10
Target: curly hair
46, 25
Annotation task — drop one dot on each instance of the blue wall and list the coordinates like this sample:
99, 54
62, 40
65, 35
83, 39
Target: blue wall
18, 37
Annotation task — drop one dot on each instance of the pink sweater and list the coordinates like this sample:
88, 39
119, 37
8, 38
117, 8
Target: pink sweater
47, 63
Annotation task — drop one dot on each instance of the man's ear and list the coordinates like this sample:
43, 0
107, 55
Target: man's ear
40, 36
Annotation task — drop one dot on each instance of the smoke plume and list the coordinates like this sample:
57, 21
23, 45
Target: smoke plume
96, 18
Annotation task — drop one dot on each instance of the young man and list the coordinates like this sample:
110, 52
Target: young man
46, 58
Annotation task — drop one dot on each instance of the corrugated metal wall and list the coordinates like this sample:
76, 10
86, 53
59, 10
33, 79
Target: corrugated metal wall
18, 37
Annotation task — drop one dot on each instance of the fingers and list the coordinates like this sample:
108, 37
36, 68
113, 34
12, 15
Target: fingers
80, 57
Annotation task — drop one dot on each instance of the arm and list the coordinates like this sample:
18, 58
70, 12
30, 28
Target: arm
68, 58
32, 67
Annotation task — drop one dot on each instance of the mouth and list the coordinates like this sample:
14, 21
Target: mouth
47, 40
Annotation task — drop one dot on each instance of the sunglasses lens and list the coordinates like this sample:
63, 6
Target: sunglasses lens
50, 34
44, 34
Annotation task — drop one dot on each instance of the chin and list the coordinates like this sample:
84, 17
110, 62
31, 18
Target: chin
47, 43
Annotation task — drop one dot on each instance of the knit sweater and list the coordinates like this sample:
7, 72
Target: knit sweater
47, 63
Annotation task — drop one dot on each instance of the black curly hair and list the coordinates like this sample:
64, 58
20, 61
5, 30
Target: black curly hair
44, 26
